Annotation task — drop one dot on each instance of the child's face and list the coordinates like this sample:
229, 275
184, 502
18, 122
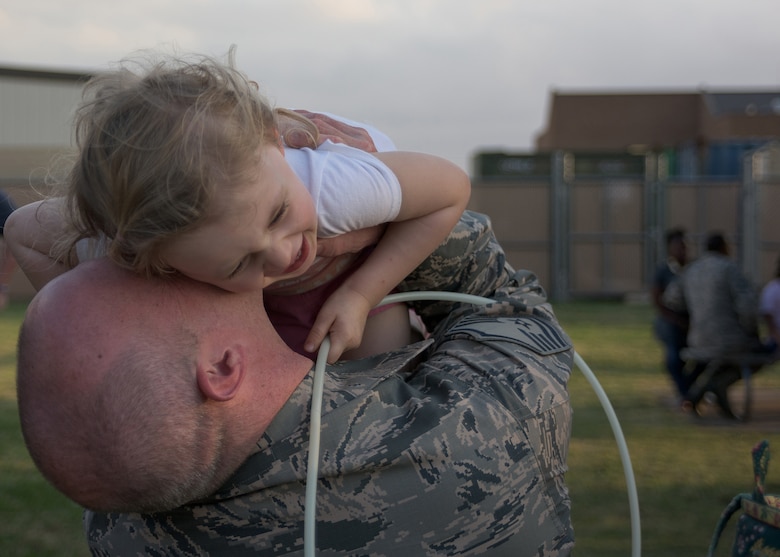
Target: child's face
258, 233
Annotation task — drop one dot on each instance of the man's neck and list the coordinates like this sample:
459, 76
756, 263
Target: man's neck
269, 388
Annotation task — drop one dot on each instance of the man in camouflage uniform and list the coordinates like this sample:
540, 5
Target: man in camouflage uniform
453, 446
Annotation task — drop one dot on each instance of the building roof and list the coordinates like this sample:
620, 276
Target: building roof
608, 121
45, 74
743, 103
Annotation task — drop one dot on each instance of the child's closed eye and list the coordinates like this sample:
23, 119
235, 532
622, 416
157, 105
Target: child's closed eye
240, 267
279, 215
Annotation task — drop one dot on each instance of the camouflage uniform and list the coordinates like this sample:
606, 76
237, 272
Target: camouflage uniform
453, 446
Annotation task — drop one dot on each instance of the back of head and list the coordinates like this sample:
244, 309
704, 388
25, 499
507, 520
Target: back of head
674, 235
157, 137
107, 400
675, 245
716, 243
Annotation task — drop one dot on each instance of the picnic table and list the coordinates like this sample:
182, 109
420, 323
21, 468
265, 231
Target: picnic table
721, 371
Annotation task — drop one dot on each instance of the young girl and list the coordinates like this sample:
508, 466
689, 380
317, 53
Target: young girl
181, 168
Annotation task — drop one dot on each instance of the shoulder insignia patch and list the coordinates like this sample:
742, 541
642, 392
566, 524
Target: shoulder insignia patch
534, 333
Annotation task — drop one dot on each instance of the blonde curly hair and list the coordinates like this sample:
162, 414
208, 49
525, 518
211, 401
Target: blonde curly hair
157, 138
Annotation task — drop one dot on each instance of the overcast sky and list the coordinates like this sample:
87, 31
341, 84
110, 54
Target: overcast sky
450, 77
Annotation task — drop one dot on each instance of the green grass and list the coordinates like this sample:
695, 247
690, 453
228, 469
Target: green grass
686, 471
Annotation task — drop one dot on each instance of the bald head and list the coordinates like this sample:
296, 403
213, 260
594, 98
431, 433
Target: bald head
127, 386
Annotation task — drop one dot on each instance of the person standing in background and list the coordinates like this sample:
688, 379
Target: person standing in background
669, 326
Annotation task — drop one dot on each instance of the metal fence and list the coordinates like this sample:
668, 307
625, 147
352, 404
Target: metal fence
593, 225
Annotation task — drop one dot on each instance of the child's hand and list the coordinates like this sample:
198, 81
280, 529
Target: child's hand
343, 317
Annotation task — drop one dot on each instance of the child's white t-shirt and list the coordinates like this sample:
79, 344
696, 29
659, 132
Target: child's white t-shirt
351, 189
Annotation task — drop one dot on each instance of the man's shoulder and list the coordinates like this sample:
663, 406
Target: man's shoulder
663, 275
539, 335
707, 263
772, 287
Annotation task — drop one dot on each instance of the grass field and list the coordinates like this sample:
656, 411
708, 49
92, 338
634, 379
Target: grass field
686, 470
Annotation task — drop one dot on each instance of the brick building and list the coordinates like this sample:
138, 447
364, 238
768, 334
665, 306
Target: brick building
702, 133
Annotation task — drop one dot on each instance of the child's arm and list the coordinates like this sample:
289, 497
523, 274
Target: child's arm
31, 231
434, 194
350, 242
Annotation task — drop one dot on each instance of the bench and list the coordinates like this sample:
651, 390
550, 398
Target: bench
720, 371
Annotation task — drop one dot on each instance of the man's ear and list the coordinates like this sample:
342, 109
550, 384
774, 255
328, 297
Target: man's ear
220, 379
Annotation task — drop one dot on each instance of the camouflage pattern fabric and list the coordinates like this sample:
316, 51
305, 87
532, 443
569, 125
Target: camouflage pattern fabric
454, 446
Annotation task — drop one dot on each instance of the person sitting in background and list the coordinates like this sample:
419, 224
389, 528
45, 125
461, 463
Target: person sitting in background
723, 309
671, 327
183, 422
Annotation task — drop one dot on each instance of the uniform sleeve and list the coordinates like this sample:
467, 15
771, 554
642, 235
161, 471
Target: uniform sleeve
513, 353
471, 261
